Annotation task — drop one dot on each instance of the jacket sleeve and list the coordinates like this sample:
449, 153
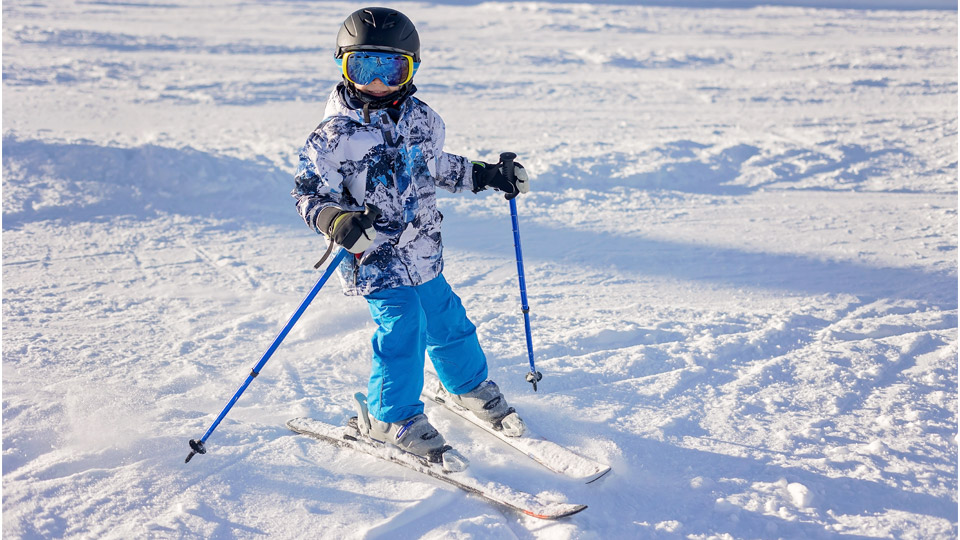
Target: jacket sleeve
318, 183
453, 173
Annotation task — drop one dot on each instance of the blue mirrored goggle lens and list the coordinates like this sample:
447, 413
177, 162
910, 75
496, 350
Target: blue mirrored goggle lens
364, 67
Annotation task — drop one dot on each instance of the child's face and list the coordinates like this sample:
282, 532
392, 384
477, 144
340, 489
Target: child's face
377, 88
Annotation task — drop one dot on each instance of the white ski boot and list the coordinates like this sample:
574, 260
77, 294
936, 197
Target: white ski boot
414, 435
488, 404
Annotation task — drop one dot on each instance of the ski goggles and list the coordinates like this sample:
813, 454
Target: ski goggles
363, 67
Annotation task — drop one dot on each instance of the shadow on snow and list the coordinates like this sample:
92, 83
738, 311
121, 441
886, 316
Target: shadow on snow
86, 182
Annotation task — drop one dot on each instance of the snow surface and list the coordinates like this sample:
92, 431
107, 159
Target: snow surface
741, 254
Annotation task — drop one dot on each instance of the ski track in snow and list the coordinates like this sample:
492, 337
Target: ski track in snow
740, 247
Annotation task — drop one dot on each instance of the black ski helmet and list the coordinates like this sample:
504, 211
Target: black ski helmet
378, 29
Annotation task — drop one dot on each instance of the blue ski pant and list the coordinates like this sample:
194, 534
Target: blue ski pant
411, 322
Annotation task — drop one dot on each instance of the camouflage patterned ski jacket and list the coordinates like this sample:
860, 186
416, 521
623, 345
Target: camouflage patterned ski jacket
395, 165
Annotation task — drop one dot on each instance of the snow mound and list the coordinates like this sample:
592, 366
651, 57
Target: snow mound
83, 181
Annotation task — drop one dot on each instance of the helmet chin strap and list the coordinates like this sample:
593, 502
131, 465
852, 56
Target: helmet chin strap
375, 102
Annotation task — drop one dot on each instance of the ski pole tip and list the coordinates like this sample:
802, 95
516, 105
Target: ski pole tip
533, 378
196, 447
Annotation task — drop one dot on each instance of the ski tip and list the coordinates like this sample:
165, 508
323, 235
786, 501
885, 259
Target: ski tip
570, 510
600, 474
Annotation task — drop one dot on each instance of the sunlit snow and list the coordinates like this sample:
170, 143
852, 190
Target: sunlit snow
740, 247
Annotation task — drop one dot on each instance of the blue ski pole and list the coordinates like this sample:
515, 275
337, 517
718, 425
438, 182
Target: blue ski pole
534, 376
197, 446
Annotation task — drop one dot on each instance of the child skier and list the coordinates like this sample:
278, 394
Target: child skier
379, 146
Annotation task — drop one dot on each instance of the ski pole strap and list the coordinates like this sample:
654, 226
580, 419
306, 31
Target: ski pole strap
325, 255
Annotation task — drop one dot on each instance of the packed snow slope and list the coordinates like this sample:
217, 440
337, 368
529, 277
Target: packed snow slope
741, 255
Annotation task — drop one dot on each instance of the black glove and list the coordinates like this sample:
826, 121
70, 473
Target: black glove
352, 230
492, 175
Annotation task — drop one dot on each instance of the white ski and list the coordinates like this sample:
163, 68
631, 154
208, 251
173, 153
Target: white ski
349, 437
547, 453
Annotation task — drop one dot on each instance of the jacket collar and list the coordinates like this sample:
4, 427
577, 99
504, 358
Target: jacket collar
342, 103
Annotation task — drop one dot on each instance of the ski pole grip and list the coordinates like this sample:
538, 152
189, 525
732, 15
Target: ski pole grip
507, 159
373, 211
